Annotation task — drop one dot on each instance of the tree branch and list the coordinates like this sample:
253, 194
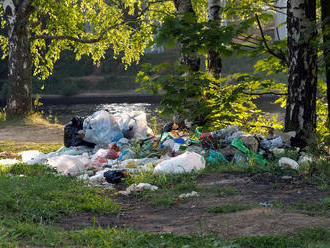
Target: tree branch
280, 56
94, 40
265, 93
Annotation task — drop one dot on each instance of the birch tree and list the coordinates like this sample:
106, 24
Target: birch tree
214, 63
302, 82
39, 30
184, 8
325, 16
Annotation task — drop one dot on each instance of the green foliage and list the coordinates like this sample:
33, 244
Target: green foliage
56, 26
215, 104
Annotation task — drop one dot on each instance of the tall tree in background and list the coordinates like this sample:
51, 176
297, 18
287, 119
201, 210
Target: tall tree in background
214, 63
185, 10
325, 16
302, 82
39, 30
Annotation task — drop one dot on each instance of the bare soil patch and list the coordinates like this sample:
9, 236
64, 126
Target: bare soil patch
191, 216
33, 133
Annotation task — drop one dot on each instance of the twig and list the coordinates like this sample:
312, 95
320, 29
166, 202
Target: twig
280, 56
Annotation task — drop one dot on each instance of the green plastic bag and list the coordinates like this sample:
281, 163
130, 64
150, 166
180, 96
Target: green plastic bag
215, 157
255, 157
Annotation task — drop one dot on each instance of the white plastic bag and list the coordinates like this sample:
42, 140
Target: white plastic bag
101, 128
69, 164
185, 162
134, 125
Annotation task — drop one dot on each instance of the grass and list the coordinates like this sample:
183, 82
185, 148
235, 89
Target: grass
221, 191
37, 193
17, 146
32, 119
229, 208
321, 208
170, 187
47, 236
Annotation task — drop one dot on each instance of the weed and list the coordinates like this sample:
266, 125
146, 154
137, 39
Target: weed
321, 209
229, 208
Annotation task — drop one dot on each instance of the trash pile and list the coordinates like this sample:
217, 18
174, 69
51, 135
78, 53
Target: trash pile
105, 149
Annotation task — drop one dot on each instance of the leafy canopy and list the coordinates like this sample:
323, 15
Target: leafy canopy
89, 27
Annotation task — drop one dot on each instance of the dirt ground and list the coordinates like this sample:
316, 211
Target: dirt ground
35, 133
191, 216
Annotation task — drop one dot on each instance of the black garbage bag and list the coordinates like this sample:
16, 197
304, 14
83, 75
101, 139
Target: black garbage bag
71, 131
115, 177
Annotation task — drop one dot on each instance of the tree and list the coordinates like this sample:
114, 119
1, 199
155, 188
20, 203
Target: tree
214, 63
325, 16
302, 82
185, 10
39, 30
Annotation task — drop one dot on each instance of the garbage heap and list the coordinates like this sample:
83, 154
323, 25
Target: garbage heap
105, 148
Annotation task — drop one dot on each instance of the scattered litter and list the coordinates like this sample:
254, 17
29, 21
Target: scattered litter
288, 163
101, 128
185, 162
266, 204
273, 143
9, 161
277, 151
115, 177
70, 133
138, 187
286, 177
305, 159
134, 125
215, 157
188, 195
29, 155
9, 155
240, 160
69, 164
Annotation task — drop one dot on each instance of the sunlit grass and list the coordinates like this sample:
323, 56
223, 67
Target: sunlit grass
18, 146
32, 119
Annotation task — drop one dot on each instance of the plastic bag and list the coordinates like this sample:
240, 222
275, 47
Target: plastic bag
101, 128
185, 162
69, 164
70, 133
215, 157
134, 125
255, 157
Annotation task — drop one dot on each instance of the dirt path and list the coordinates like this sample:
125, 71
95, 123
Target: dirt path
191, 216
35, 133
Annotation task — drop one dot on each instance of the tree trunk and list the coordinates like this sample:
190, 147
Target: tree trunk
214, 63
301, 102
325, 13
192, 60
19, 100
